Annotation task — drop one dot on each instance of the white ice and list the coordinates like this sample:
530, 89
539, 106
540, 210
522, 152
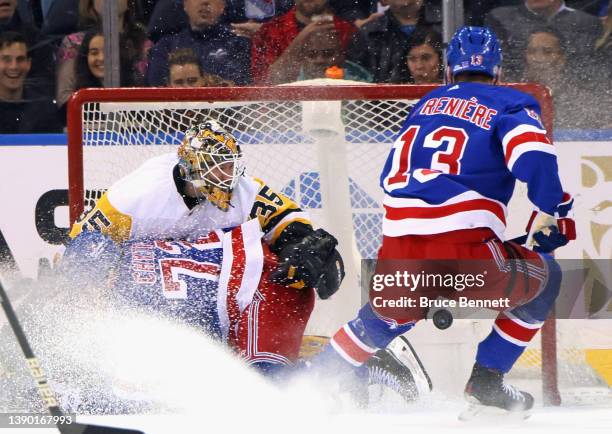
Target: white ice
199, 387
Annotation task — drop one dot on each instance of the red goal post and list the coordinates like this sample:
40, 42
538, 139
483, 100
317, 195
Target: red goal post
110, 131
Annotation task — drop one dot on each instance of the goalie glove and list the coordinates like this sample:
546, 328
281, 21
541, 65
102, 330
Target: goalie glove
312, 262
548, 232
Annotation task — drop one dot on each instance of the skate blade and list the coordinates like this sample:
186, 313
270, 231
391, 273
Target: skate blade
484, 413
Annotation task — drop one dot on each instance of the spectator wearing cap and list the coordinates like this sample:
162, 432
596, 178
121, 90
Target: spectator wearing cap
21, 110
278, 44
514, 24
219, 50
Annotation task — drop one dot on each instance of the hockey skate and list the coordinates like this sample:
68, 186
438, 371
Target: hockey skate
399, 368
489, 397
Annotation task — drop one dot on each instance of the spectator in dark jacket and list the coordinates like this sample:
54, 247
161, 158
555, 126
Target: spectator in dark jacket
514, 24
387, 40
546, 63
41, 79
424, 58
20, 111
169, 18
185, 71
220, 51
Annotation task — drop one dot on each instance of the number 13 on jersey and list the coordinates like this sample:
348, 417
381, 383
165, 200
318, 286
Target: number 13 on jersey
445, 160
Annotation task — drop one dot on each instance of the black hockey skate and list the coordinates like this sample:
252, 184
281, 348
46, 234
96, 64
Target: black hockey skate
488, 395
385, 370
399, 369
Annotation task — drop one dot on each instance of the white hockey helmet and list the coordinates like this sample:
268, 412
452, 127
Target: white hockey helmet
211, 160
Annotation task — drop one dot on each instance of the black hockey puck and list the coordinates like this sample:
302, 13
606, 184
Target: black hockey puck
442, 319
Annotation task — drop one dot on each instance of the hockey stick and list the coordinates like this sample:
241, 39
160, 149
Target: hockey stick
42, 384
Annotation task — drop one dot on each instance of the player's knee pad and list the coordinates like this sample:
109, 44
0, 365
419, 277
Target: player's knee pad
375, 331
537, 309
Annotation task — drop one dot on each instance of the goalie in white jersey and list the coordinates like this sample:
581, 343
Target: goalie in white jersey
203, 187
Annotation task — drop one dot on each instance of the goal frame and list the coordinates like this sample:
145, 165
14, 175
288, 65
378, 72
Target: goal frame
274, 93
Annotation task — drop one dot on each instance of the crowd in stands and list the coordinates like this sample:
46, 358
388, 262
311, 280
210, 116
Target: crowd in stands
51, 48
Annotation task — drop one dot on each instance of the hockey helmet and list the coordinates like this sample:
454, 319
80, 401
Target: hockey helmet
211, 160
474, 49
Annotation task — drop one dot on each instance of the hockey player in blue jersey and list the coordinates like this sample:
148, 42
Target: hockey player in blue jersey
218, 283
447, 182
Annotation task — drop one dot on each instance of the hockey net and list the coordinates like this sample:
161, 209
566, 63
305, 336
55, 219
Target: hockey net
323, 146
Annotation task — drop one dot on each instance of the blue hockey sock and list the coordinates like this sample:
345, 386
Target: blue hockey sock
513, 330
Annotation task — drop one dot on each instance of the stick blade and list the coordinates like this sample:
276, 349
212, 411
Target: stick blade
81, 428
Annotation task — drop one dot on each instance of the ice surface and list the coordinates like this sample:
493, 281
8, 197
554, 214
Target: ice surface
185, 383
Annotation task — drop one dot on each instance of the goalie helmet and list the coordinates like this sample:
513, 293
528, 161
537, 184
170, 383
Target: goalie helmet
474, 49
211, 160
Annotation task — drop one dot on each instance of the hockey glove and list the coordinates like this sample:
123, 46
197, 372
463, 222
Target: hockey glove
540, 224
549, 241
312, 262
333, 274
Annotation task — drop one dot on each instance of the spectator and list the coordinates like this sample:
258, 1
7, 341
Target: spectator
220, 51
279, 42
514, 24
20, 111
41, 79
387, 40
184, 70
70, 16
133, 43
169, 18
89, 65
546, 63
353, 10
424, 58
322, 49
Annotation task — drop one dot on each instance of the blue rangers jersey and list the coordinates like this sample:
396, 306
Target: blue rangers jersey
206, 282
455, 161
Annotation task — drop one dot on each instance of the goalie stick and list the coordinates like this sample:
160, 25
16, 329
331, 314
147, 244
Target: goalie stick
44, 390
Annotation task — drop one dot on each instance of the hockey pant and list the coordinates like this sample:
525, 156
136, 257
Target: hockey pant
268, 333
535, 286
